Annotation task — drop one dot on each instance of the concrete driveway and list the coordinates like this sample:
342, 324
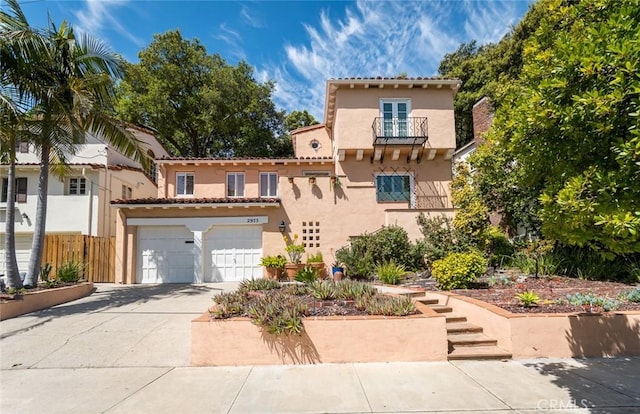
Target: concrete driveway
125, 349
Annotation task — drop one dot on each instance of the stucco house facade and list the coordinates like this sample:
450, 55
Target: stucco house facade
78, 203
381, 157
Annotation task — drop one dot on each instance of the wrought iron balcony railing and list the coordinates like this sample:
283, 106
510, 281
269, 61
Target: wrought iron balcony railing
399, 131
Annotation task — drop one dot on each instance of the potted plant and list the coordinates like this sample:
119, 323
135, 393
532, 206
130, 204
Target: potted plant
274, 266
334, 181
337, 267
317, 262
295, 251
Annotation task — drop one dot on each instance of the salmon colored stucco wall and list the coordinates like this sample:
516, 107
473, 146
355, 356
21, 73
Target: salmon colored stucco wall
302, 143
357, 109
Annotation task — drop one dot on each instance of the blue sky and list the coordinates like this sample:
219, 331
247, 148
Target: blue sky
298, 44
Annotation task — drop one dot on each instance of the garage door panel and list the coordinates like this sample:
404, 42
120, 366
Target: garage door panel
23, 252
232, 253
165, 254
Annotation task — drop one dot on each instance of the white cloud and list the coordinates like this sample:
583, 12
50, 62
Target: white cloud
251, 18
383, 38
233, 39
98, 16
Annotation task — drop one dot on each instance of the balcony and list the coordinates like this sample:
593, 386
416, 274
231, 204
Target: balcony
399, 131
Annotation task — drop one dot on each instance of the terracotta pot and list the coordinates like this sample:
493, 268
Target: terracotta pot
337, 276
291, 269
319, 266
273, 273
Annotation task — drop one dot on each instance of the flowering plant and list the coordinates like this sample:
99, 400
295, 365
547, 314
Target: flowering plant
294, 249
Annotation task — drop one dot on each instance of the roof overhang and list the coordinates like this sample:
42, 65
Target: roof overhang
334, 84
245, 161
189, 204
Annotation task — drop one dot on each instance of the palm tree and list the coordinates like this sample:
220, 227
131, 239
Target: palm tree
18, 44
71, 85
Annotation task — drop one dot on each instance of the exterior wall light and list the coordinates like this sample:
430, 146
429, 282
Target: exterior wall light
282, 226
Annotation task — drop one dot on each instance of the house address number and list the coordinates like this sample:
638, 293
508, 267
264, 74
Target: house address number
253, 220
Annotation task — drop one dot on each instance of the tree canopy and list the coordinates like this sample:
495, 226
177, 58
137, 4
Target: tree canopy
298, 119
564, 148
199, 104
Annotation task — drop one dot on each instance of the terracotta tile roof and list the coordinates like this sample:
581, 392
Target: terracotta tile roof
307, 128
242, 158
194, 201
95, 166
418, 78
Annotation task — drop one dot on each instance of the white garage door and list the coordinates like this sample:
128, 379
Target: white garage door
165, 254
23, 252
233, 253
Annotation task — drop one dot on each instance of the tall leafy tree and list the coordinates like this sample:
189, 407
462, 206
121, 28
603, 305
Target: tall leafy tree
299, 119
70, 82
570, 134
199, 104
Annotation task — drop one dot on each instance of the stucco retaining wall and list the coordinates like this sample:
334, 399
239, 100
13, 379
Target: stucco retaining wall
237, 341
42, 299
552, 335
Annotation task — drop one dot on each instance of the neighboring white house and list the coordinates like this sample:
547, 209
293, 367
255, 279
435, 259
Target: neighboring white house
79, 202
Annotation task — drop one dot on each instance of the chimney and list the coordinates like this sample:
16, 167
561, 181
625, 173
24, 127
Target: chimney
482, 117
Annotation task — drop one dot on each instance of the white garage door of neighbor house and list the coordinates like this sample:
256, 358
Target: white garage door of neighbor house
233, 253
23, 252
165, 254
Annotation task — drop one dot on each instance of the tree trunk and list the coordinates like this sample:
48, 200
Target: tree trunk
13, 275
37, 247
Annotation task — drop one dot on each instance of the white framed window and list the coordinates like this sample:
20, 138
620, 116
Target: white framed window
20, 190
184, 184
268, 184
395, 115
395, 188
77, 186
127, 192
235, 184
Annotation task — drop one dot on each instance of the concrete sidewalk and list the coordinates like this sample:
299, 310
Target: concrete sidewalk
125, 349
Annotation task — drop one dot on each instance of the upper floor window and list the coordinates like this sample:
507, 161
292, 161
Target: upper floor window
184, 184
127, 192
152, 171
269, 184
394, 187
22, 146
395, 117
77, 186
20, 190
235, 184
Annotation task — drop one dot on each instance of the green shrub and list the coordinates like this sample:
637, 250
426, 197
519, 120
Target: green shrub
278, 313
258, 284
528, 299
593, 301
458, 270
441, 238
351, 289
369, 250
323, 290
69, 272
307, 275
632, 296
229, 304
315, 258
275, 262
390, 272
386, 305
497, 246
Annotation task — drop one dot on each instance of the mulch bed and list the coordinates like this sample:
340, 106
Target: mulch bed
553, 294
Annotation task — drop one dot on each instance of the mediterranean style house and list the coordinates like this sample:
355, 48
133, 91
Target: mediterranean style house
381, 157
79, 202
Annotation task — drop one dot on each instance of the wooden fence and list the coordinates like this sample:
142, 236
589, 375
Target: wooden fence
97, 254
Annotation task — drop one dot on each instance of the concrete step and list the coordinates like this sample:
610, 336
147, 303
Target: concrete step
462, 328
441, 308
471, 339
479, 352
455, 317
426, 301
